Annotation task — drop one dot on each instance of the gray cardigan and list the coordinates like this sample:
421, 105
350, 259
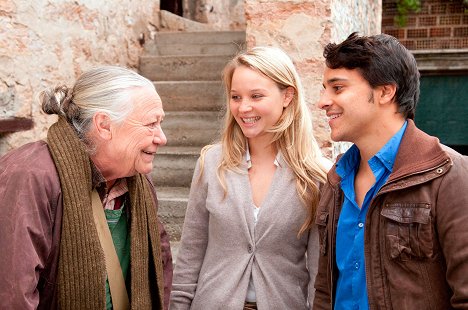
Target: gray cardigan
221, 247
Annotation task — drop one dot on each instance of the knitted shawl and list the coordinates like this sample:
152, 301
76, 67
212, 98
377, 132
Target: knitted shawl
81, 267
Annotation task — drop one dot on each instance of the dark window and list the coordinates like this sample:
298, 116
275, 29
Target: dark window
443, 109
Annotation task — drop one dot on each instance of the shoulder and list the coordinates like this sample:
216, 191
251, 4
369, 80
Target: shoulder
32, 156
31, 162
210, 156
454, 155
212, 152
459, 162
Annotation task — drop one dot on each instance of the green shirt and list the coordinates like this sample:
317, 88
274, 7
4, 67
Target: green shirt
117, 221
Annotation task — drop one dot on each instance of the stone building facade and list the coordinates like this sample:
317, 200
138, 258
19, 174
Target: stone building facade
44, 43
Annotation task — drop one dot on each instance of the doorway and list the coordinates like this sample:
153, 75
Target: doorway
173, 6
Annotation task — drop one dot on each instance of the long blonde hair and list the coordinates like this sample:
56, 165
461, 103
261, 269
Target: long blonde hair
293, 134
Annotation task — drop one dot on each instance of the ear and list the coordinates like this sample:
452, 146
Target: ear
387, 93
288, 96
102, 125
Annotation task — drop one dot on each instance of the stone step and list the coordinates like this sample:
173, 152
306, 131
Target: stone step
174, 165
196, 43
171, 22
183, 68
193, 128
156, 48
172, 205
191, 95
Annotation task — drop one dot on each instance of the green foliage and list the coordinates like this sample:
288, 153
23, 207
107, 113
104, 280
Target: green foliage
404, 7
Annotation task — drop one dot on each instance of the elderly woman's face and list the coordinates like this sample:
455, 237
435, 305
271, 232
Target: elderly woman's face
134, 143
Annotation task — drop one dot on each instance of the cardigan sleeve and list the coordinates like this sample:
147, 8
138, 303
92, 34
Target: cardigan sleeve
193, 243
312, 261
167, 263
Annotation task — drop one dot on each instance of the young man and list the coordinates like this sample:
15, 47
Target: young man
393, 217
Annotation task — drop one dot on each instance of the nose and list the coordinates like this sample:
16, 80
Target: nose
324, 101
245, 106
160, 138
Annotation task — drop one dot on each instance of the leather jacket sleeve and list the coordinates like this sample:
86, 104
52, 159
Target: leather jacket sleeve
312, 262
28, 198
452, 228
323, 297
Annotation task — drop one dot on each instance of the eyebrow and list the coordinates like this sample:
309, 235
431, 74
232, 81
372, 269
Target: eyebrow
334, 80
337, 79
251, 90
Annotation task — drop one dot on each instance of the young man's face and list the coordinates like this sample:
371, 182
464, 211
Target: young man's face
348, 100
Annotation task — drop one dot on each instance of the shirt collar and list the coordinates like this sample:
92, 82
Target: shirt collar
118, 189
107, 195
388, 152
386, 155
249, 162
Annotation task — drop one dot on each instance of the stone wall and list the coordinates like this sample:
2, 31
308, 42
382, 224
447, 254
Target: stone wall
302, 28
47, 42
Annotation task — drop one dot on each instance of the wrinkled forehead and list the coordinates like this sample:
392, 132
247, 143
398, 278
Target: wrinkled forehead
147, 101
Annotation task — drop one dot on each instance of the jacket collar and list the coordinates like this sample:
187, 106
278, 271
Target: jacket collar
418, 152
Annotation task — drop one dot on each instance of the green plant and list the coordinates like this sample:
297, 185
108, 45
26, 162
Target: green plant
404, 7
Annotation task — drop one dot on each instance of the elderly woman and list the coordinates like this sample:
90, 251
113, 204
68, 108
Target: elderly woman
54, 252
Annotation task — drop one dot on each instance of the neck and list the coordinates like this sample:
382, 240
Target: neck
262, 151
372, 143
100, 164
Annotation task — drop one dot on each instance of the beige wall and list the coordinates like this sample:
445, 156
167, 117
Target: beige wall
302, 28
43, 43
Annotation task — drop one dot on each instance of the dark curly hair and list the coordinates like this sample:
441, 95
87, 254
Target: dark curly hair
382, 60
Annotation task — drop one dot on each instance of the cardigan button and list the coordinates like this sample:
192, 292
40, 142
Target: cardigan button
249, 248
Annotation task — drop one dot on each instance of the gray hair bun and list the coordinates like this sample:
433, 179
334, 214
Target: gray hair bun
59, 100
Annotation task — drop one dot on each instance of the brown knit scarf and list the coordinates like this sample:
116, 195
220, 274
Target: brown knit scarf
82, 271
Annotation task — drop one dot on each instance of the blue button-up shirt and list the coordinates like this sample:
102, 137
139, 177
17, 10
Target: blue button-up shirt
351, 290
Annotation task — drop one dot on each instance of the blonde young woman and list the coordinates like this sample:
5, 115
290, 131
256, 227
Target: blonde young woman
249, 240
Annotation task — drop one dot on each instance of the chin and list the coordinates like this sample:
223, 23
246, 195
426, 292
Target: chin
145, 170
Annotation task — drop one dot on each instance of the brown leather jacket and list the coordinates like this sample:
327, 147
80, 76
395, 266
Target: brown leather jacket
416, 233
30, 228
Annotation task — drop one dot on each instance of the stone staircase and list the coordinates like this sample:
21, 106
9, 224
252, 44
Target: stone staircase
186, 70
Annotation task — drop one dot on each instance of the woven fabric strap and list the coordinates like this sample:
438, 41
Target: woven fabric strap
82, 268
114, 271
